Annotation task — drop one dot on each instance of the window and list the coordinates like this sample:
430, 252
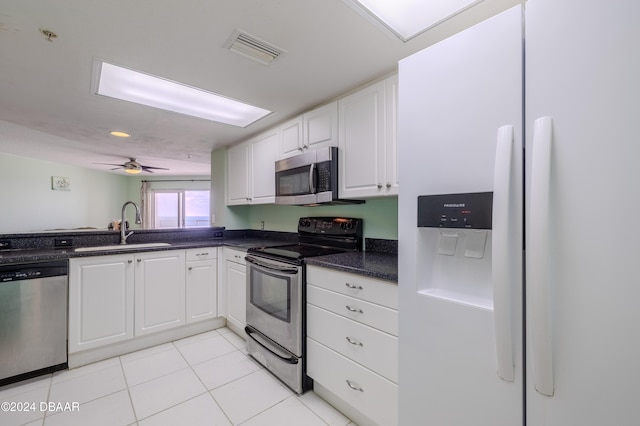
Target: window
179, 208
175, 203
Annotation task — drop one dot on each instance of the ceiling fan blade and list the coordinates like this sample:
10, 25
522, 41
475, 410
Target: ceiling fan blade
151, 167
111, 164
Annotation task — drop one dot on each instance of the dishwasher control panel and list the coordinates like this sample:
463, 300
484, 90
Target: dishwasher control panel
30, 271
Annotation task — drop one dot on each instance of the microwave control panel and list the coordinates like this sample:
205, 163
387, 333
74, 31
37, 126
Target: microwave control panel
324, 176
470, 211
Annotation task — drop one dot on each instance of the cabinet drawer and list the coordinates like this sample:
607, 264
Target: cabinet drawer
204, 253
373, 290
373, 315
374, 349
234, 255
371, 394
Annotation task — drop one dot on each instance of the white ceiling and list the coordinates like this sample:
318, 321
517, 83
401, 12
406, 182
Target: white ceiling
47, 109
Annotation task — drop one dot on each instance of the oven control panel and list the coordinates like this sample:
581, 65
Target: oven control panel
330, 226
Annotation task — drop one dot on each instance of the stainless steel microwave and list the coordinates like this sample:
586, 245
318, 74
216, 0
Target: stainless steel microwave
309, 178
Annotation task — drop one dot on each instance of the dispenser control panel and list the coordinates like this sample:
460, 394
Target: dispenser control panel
471, 210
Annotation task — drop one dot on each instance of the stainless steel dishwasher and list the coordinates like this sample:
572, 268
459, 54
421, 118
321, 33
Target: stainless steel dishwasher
33, 319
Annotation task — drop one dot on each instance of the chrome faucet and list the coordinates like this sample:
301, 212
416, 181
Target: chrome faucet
123, 223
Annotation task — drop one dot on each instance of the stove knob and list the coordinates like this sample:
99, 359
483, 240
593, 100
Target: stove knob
346, 225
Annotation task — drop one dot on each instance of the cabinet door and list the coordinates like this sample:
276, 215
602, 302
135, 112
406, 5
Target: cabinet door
159, 291
361, 141
291, 137
236, 295
264, 152
237, 175
320, 127
100, 301
391, 142
201, 290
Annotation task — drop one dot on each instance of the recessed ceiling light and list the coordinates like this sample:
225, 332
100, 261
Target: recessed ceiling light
120, 134
133, 86
410, 18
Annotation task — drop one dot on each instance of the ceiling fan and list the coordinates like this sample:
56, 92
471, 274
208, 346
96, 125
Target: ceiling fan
133, 167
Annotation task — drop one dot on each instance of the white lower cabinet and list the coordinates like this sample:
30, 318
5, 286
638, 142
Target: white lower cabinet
236, 279
352, 343
159, 291
115, 298
100, 301
201, 291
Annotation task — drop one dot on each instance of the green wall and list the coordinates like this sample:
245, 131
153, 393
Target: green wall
29, 203
380, 215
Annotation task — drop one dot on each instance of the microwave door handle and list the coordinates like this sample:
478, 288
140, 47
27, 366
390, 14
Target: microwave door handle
263, 265
312, 183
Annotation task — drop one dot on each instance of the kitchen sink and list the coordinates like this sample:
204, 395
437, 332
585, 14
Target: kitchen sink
122, 247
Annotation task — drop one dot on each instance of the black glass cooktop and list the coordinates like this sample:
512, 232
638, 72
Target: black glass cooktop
317, 236
295, 251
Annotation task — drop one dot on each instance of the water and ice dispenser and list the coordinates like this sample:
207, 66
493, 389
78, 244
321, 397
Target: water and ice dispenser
454, 247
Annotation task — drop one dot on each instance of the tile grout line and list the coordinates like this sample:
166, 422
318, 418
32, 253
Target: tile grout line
126, 382
206, 389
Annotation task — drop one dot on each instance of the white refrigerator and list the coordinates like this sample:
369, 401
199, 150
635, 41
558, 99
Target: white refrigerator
536, 320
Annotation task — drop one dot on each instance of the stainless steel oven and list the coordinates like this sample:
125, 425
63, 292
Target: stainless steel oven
276, 295
275, 306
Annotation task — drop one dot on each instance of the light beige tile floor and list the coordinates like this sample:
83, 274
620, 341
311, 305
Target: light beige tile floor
205, 379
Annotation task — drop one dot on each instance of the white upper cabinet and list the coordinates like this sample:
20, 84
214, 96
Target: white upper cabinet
320, 127
312, 130
264, 152
238, 174
367, 141
251, 171
291, 137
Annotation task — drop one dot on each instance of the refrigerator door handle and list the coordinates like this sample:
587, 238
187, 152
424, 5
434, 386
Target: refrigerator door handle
538, 258
502, 251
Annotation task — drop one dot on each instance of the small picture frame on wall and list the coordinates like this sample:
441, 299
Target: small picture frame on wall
60, 183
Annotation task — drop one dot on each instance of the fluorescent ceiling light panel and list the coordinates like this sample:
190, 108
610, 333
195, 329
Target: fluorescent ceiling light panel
133, 86
409, 18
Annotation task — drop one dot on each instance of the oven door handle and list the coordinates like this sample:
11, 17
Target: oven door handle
289, 360
264, 265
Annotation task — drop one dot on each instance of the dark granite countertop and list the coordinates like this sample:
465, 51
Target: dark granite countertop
379, 261
29, 248
246, 243
380, 265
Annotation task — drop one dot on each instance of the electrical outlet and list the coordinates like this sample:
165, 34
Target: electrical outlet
262, 225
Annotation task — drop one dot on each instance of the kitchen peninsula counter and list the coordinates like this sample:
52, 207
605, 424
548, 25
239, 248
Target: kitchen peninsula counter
380, 260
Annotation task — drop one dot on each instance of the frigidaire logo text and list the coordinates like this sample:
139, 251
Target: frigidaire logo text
455, 205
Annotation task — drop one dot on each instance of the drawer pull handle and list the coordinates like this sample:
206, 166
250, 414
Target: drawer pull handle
353, 342
356, 310
202, 254
191, 268
353, 286
354, 387
129, 261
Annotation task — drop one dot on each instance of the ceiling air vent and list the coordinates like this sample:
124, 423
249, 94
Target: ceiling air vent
252, 47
